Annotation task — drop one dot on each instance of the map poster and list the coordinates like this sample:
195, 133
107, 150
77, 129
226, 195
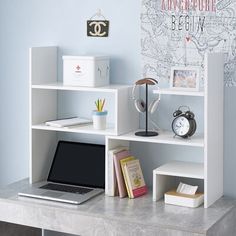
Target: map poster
180, 32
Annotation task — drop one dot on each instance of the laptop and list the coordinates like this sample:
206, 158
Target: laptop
77, 174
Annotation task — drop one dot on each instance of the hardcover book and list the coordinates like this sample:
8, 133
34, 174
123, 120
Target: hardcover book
111, 181
135, 181
118, 172
123, 163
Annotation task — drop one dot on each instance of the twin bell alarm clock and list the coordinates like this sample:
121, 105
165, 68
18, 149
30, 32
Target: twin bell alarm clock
184, 124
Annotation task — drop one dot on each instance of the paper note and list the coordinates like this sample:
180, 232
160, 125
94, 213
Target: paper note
186, 189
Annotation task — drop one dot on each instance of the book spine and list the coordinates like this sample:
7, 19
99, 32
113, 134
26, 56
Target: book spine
114, 181
120, 180
125, 179
118, 160
111, 180
110, 190
118, 172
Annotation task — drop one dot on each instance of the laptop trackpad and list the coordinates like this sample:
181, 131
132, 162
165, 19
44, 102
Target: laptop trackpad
52, 194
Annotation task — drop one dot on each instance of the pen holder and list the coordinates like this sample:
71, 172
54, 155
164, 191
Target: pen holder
99, 119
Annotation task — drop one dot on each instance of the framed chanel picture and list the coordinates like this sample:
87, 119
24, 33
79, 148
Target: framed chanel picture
97, 28
184, 78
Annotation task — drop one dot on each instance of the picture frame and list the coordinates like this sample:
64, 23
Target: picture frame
185, 78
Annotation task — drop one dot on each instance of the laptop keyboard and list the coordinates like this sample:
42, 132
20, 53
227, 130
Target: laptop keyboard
68, 189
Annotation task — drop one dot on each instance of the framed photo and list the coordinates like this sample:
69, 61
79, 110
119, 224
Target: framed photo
185, 78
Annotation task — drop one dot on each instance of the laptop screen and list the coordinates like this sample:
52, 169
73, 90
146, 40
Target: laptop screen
79, 164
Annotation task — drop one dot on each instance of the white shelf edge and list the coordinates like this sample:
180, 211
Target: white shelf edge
181, 169
169, 91
59, 86
163, 138
88, 129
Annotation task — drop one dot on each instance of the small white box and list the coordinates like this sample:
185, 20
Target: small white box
179, 199
89, 71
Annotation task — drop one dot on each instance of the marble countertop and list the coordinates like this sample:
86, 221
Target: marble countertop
139, 212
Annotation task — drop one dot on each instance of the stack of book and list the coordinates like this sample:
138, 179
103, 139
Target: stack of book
125, 174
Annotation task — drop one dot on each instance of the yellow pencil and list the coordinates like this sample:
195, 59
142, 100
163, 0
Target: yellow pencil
103, 104
100, 105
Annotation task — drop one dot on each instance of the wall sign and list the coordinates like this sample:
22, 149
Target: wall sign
180, 32
97, 27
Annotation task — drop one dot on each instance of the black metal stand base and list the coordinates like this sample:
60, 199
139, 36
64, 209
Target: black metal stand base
146, 133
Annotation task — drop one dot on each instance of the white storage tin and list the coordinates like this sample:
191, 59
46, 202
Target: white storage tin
90, 71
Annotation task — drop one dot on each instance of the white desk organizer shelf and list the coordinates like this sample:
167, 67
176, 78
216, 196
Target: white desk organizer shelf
45, 102
46, 95
210, 170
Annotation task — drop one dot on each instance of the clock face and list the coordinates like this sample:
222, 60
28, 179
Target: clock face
181, 126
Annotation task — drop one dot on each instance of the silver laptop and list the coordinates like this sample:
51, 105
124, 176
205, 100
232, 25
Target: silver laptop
77, 174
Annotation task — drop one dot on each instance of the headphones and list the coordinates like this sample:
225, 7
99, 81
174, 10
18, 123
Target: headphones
188, 114
139, 103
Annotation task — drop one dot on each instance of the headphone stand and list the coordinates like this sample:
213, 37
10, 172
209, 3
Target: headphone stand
146, 133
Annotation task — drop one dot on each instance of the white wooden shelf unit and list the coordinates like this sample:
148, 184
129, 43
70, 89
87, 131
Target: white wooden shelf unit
45, 103
211, 169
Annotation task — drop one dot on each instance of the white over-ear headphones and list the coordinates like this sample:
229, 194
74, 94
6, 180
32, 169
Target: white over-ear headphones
139, 103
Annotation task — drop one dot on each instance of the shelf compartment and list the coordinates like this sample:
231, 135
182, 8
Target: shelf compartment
182, 169
87, 129
169, 91
164, 176
112, 88
50, 104
166, 137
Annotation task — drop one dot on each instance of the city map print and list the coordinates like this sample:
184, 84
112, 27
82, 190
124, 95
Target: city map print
180, 32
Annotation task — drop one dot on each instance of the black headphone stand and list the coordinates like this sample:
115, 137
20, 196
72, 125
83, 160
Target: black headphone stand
146, 133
